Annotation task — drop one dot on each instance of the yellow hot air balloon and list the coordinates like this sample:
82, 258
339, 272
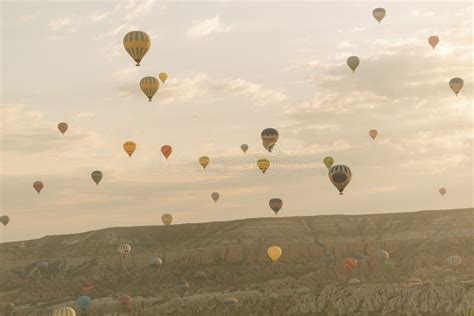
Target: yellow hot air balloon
137, 44
274, 252
263, 164
328, 162
163, 76
167, 219
456, 85
129, 147
353, 62
64, 311
149, 86
204, 161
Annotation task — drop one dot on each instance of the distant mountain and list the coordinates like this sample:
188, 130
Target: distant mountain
229, 273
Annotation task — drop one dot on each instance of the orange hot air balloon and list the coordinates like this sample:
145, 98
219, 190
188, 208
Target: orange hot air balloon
433, 41
62, 127
87, 287
129, 147
38, 186
350, 264
274, 252
373, 133
166, 150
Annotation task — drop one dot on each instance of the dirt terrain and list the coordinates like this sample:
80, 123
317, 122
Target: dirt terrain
224, 260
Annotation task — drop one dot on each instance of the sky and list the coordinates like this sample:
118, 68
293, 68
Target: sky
234, 69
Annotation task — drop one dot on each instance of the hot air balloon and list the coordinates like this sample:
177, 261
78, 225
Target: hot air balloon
231, 301
64, 311
433, 41
129, 147
4, 220
167, 219
62, 127
263, 164
96, 176
83, 302
163, 76
360, 257
350, 264
244, 147
274, 252
38, 186
414, 282
204, 161
379, 14
182, 287
149, 86
125, 302
442, 191
456, 85
87, 287
382, 255
166, 150
137, 44
269, 138
42, 266
215, 196
373, 133
340, 176
276, 205
124, 250
353, 281
156, 262
328, 162
388, 266
353, 62
454, 261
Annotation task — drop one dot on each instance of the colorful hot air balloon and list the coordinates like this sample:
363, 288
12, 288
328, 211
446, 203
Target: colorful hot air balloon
353, 62
96, 176
149, 86
156, 262
87, 287
83, 302
38, 186
125, 302
166, 150
340, 176
456, 85
129, 147
4, 220
204, 161
274, 253
215, 196
263, 164
137, 44
276, 205
231, 301
442, 191
64, 311
373, 133
454, 261
433, 41
62, 127
182, 287
244, 147
379, 14
269, 138
167, 219
350, 264
163, 76
328, 162
124, 250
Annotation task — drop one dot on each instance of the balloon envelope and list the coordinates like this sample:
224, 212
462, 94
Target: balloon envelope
269, 138
379, 14
456, 85
124, 250
87, 287
340, 176
204, 161
137, 44
83, 302
155, 262
64, 311
167, 219
4, 220
163, 76
328, 162
215, 196
42, 266
263, 164
373, 133
38, 186
433, 41
382, 255
244, 147
62, 127
96, 176
454, 261
166, 150
442, 191
276, 205
181, 287
149, 86
274, 253
125, 301
353, 62
129, 147
231, 301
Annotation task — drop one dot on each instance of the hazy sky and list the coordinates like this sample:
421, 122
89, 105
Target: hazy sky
235, 69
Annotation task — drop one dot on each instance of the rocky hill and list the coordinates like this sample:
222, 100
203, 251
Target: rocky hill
229, 273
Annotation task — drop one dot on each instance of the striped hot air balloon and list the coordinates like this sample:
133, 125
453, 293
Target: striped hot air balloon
275, 204
137, 44
340, 176
454, 261
64, 311
124, 250
149, 86
167, 219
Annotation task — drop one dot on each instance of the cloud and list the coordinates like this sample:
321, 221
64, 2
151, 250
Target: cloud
61, 23
207, 27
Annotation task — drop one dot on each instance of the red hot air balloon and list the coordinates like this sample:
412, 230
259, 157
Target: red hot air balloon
166, 150
373, 133
350, 264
